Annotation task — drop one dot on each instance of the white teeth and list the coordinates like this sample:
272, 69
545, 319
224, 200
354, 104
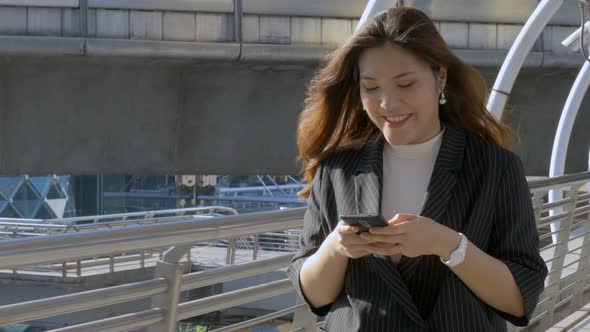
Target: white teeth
398, 118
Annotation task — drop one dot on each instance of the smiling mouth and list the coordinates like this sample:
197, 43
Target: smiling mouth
397, 119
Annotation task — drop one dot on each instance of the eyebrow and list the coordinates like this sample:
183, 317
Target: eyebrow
395, 77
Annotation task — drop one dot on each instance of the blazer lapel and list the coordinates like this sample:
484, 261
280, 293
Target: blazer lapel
368, 178
441, 185
368, 190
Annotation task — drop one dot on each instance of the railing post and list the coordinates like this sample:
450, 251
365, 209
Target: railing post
112, 264
583, 265
256, 245
538, 210
561, 249
142, 260
231, 252
304, 320
538, 205
172, 270
189, 257
78, 268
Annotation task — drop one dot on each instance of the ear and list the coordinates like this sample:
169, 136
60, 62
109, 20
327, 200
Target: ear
442, 78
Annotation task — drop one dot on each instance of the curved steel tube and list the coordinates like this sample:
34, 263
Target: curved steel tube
517, 55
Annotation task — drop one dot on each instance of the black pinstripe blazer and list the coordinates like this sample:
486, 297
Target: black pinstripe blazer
476, 188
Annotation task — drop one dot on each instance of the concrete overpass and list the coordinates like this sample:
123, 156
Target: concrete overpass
215, 86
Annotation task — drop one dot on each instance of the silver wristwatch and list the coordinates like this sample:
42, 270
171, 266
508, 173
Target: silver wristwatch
458, 255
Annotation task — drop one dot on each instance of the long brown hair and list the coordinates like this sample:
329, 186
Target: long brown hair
332, 120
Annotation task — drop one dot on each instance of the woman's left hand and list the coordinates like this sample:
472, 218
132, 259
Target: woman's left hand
412, 235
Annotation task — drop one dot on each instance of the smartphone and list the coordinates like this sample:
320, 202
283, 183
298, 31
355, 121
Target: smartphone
364, 221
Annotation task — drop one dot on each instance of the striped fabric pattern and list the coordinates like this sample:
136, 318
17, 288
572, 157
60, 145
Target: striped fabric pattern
476, 188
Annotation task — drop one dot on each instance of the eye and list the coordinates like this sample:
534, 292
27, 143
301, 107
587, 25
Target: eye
372, 88
406, 85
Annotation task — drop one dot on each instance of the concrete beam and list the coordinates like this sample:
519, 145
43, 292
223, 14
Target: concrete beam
127, 115
284, 53
275, 53
124, 116
162, 49
39, 46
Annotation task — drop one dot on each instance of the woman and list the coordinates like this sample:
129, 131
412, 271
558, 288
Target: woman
395, 124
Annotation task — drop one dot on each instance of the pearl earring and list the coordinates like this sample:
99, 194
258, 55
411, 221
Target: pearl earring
442, 99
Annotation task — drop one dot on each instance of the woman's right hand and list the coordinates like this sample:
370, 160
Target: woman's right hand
345, 241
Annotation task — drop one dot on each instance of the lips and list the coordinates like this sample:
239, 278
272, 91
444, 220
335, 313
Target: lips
398, 120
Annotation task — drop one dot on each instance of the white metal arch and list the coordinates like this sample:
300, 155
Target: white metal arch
518, 53
564, 131
373, 7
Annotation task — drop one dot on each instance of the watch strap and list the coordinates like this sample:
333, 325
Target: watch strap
458, 255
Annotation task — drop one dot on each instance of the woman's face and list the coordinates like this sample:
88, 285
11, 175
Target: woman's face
400, 94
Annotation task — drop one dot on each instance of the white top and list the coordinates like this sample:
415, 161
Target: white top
406, 174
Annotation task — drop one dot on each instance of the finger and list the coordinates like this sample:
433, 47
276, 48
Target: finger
351, 239
386, 238
401, 217
387, 251
381, 245
343, 228
387, 230
355, 251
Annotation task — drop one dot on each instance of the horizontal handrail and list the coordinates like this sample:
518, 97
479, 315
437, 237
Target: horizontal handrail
128, 222
92, 262
261, 319
22, 220
21, 312
67, 226
31, 225
233, 298
214, 276
59, 305
558, 182
558, 203
22, 252
11, 234
127, 215
228, 190
127, 322
269, 199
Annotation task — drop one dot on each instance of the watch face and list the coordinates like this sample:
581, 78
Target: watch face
458, 255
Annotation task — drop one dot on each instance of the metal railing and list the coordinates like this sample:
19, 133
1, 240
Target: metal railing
283, 241
568, 280
145, 215
168, 281
49, 226
565, 291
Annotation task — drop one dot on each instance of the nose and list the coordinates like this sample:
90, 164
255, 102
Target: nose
389, 101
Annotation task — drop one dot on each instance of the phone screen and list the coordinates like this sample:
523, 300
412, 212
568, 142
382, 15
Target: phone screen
364, 222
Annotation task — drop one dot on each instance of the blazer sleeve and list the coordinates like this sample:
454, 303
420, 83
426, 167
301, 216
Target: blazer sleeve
315, 230
515, 239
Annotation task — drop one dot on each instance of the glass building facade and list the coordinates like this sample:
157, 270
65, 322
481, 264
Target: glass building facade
36, 197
